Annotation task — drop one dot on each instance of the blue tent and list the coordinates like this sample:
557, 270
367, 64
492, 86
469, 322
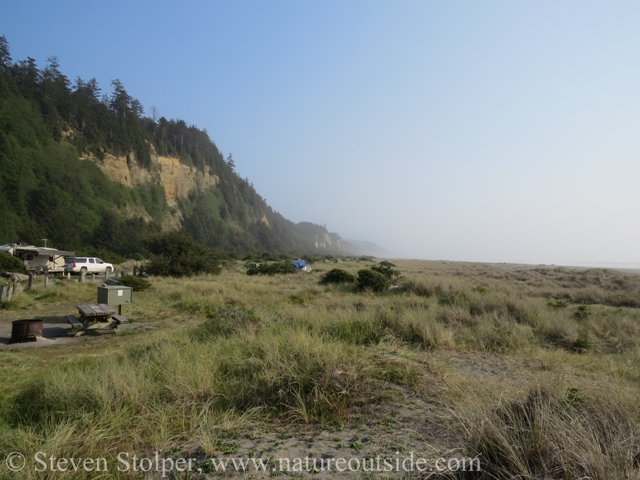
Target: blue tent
299, 264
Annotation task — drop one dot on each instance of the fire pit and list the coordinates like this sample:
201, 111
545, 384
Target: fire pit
25, 330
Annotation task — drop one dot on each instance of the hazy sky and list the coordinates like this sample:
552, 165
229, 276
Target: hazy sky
464, 130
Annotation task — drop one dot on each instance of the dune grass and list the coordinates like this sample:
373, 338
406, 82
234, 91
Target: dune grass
230, 353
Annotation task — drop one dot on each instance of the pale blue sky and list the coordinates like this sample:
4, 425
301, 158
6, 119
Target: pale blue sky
468, 130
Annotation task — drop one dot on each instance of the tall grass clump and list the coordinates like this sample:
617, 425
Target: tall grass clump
293, 373
413, 328
166, 387
555, 435
422, 288
227, 321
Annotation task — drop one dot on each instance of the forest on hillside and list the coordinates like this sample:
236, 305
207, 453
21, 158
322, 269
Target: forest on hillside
48, 123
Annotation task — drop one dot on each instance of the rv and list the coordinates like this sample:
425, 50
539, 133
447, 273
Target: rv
38, 259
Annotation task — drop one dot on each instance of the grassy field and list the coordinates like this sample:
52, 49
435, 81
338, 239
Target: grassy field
535, 371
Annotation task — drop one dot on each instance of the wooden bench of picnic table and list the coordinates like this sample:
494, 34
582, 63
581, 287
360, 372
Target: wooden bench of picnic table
120, 318
93, 317
76, 324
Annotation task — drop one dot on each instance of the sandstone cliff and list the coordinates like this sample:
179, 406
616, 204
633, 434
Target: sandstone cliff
177, 179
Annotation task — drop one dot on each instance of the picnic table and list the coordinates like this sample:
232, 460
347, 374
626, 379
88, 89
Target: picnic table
94, 318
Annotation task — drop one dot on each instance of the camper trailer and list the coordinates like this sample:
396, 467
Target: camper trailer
38, 259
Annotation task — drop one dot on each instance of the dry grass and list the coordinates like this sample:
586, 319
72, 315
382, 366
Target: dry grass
538, 365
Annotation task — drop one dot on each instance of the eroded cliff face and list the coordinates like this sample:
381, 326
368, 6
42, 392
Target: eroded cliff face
177, 179
324, 241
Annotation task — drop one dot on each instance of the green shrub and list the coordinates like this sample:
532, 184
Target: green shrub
582, 343
176, 255
557, 303
581, 312
386, 271
9, 263
337, 275
138, 284
372, 280
272, 269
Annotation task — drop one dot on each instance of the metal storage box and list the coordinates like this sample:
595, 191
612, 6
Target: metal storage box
115, 295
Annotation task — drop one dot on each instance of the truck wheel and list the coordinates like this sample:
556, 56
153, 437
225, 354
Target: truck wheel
83, 269
108, 270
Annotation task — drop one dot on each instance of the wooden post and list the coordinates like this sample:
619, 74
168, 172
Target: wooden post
46, 279
17, 288
82, 275
135, 270
30, 285
5, 293
106, 275
68, 275
93, 277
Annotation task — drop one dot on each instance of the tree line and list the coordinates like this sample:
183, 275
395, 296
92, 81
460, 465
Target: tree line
48, 123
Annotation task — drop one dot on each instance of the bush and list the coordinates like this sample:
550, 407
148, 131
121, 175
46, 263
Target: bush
9, 263
386, 270
176, 255
138, 284
337, 275
581, 312
272, 269
372, 280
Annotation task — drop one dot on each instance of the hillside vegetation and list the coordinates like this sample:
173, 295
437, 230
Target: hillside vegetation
48, 123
